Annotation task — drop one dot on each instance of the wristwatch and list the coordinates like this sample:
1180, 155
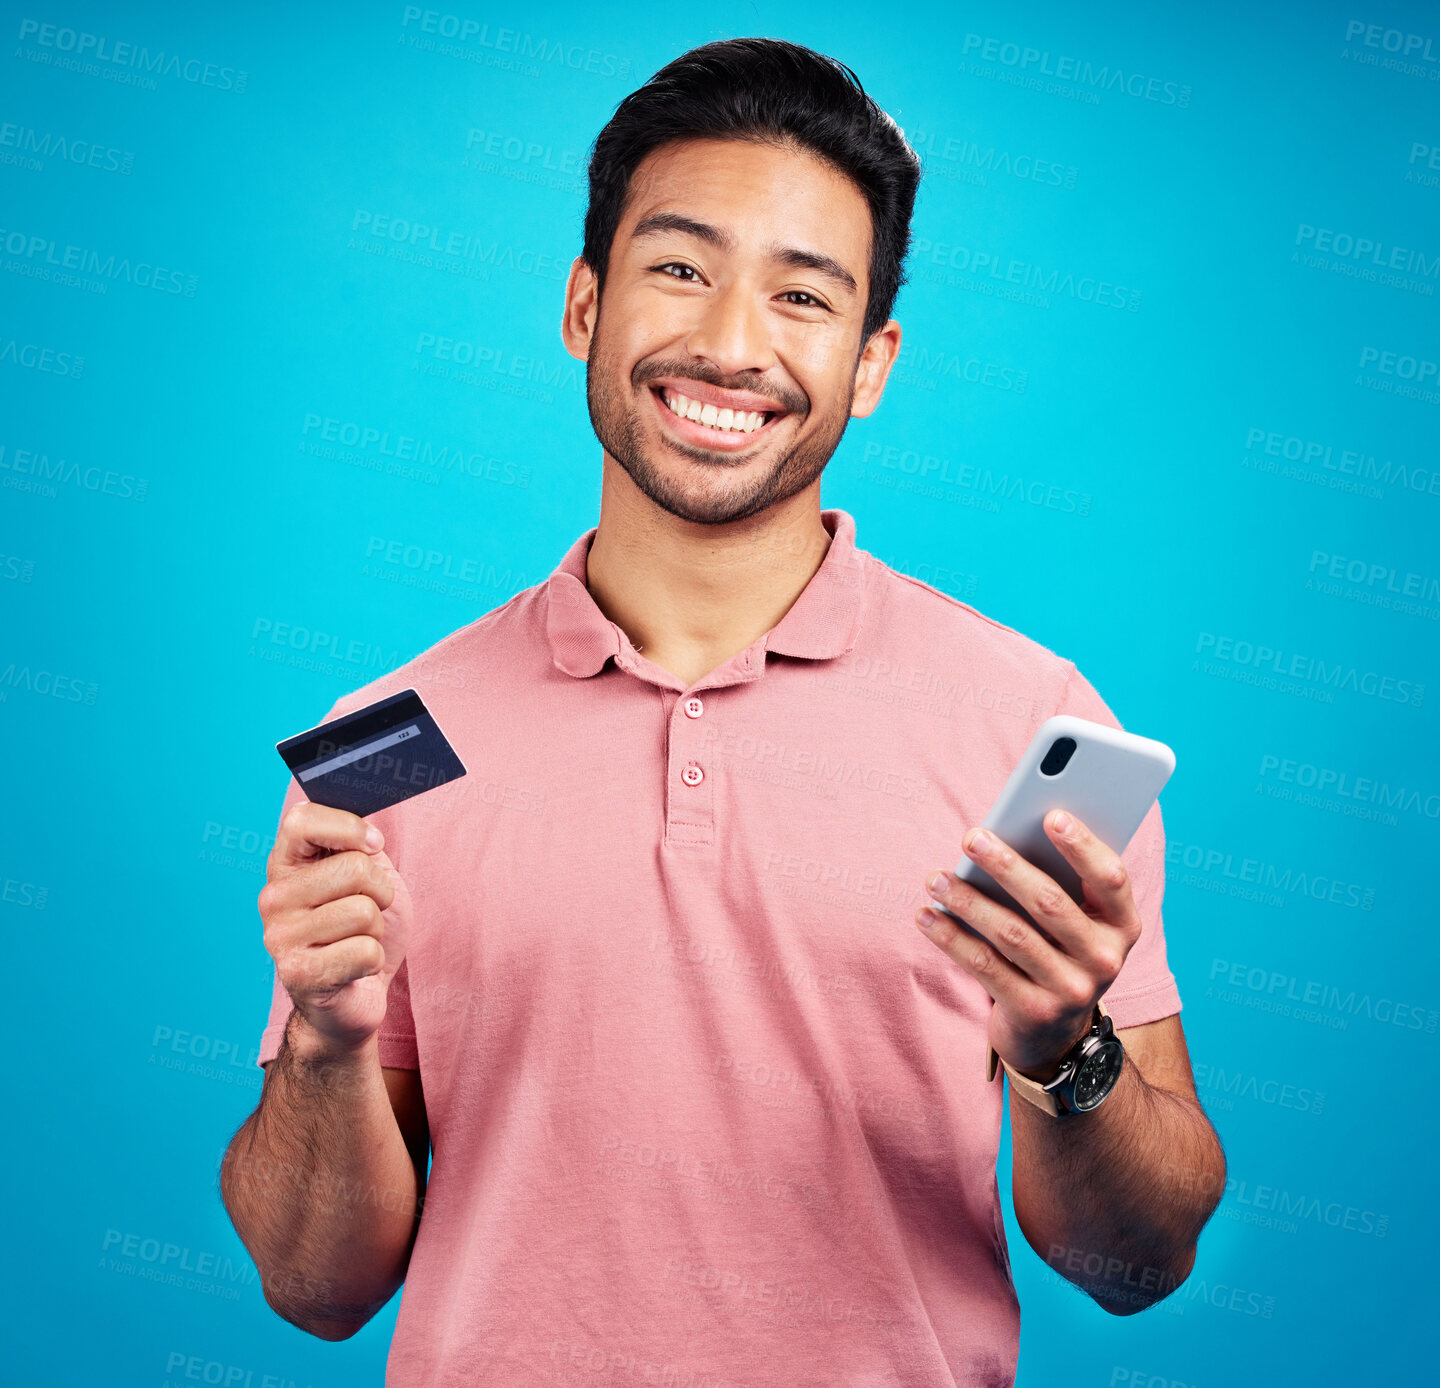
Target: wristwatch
1088, 1072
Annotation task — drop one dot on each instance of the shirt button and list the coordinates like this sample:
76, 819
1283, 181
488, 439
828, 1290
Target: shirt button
692, 775
694, 708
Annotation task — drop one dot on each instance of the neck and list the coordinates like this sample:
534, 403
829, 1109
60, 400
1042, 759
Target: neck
690, 596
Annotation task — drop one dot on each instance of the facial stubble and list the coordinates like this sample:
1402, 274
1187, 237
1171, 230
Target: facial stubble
615, 417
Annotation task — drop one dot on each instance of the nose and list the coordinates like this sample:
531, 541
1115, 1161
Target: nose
732, 333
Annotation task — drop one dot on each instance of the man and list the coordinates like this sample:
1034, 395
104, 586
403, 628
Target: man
705, 1106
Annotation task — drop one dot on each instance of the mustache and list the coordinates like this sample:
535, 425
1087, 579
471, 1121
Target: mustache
792, 402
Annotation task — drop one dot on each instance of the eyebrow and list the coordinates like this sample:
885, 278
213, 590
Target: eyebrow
659, 222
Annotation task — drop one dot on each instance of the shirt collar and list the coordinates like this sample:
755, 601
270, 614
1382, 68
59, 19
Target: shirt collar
823, 622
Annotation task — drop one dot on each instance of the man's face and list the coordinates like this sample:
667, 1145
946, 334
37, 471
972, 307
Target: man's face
737, 281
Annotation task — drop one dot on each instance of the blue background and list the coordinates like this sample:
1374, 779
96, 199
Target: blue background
188, 566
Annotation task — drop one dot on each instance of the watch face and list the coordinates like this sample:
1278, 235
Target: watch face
1097, 1075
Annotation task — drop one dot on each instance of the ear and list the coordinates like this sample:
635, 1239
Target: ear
582, 307
873, 368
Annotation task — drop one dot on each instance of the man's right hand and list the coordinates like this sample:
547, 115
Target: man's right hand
327, 884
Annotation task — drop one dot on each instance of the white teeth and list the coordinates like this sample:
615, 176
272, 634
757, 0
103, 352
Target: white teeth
739, 421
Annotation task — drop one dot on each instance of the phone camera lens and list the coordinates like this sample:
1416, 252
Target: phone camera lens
1058, 757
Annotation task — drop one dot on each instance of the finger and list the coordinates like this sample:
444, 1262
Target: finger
289, 934
1095, 942
309, 831
345, 919
334, 965
1104, 876
1048, 905
329, 879
1007, 932
981, 960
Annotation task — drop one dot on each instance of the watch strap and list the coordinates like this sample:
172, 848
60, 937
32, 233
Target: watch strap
1032, 1091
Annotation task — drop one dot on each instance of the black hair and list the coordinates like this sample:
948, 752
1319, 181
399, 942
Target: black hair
772, 91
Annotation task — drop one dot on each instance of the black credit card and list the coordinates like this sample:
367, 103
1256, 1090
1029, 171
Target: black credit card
374, 757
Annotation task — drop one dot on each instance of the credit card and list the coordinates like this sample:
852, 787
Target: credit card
374, 757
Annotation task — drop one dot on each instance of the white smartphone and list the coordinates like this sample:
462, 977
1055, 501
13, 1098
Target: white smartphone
1104, 776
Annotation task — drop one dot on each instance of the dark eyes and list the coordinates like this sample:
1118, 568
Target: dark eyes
810, 301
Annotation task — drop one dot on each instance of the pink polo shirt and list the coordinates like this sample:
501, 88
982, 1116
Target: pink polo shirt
706, 1108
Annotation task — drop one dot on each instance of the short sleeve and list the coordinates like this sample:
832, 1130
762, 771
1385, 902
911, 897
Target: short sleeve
1145, 989
397, 1032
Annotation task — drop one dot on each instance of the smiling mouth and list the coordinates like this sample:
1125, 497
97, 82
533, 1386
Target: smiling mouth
722, 427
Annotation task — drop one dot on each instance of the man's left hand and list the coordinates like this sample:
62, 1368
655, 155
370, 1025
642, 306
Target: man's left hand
1044, 982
